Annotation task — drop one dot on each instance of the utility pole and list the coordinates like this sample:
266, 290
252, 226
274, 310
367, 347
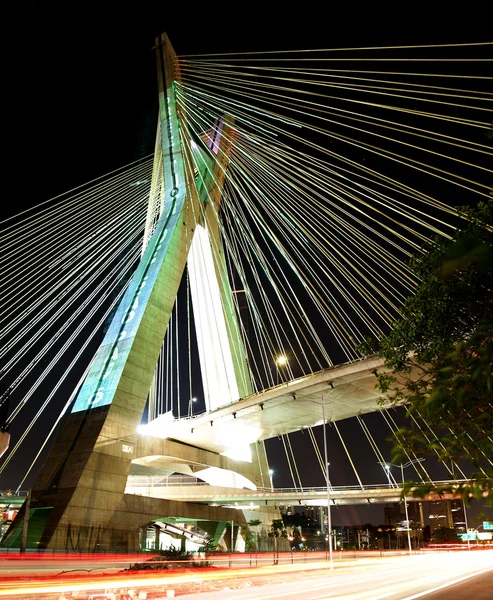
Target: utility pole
402, 467
329, 517
465, 524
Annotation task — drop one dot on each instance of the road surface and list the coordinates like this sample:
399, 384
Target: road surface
462, 574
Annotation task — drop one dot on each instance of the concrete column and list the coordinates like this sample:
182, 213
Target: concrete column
157, 531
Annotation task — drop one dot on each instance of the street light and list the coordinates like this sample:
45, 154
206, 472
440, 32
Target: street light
281, 361
402, 467
190, 406
329, 517
386, 468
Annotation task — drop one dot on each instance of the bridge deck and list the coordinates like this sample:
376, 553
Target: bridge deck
307, 497
347, 390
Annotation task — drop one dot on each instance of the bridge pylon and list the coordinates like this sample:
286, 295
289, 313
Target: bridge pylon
78, 501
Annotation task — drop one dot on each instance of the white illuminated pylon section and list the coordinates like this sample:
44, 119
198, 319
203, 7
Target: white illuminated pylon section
216, 360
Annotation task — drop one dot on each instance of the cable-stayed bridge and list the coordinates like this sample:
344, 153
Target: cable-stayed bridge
275, 219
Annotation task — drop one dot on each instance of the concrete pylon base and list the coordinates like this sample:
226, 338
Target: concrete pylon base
4, 442
123, 533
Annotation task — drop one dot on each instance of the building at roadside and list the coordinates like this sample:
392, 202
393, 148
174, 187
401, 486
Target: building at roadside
447, 513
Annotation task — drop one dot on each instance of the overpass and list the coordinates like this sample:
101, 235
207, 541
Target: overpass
240, 498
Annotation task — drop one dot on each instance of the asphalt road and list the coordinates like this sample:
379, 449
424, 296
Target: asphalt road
407, 580
436, 575
475, 588
40, 564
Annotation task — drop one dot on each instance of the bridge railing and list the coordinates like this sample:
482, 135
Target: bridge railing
150, 482
284, 384
11, 494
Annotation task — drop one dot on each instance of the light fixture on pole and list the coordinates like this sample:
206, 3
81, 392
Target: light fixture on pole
271, 472
329, 516
402, 467
281, 361
386, 468
190, 406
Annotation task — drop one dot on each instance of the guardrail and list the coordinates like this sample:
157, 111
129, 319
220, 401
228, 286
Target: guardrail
160, 484
11, 494
284, 384
139, 481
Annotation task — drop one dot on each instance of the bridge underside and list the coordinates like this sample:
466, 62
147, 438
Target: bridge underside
123, 531
346, 390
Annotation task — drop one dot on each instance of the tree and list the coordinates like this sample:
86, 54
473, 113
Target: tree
439, 355
295, 539
277, 530
209, 546
444, 535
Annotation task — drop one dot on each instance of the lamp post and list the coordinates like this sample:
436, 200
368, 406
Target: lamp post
402, 467
465, 523
387, 470
329, 517
281, 361
190, 406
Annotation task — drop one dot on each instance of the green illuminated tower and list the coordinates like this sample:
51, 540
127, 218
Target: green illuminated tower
78, 501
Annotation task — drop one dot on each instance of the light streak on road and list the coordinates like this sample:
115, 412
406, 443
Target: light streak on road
371, 578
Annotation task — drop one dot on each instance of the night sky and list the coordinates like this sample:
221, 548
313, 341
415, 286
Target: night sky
82, 95
82, 98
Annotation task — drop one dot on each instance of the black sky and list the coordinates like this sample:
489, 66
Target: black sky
81, 93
